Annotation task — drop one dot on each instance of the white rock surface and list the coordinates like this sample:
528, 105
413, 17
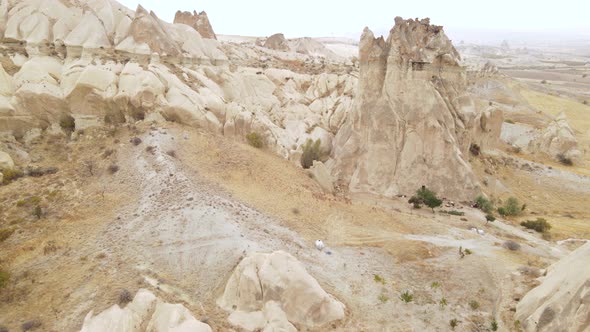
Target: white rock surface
562, 301
145, 313
5, 161
266, 291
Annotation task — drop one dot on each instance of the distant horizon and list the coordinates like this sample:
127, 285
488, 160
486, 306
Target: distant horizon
489, 26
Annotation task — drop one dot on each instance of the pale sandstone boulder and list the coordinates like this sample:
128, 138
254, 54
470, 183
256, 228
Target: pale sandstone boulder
557, 139
277, 42
145, 313
266, 288
6, 161
198, 21
562, 301
322, 176
412, 118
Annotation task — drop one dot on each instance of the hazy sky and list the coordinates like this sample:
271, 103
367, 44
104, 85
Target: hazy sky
316, 18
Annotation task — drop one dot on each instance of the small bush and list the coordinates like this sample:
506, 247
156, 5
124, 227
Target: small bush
379, 279
510, 208
540, 225
5, 234
454, 213
406, 297
435, 285
38, 212
31, 325
113, 169
490, 218
255, 140
67, 123
511, 245
383, 298
11, 175
564, 160
454, 323
427, 197
484, 204
135, 141
125, 297
474, 305
443, 302
468, 252
475, 149
494, 325
311, 153
4, 278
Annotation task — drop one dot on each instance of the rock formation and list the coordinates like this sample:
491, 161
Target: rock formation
557, 139
5, 161
198, 21
145, 313
412, 122
562, 301
277, 42
275, 292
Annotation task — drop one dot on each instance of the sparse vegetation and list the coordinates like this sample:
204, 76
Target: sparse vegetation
406, 297
443, 302
474, 305
540, 225
484, 204
67, 123
454, 323
379, 279
511, 245
490, 218
11, 175
5, 234
494, 325
383, 298
435, 285
38, 212
4, 278
427, 197
311, 153
454, 213
565, 160
510, 208
255, 140
124, 297
468, 252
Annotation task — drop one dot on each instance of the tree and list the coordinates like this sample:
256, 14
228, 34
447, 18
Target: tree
427, 197
510, 208
484, 204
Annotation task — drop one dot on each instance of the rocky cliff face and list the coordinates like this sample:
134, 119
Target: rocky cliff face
412, 122
198, 21
562, 301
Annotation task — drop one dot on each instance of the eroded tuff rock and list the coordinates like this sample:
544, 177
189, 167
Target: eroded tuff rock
277, 42
557, 138
562, 301
274, 292
145, 313
5, 161
198, 21
412, 121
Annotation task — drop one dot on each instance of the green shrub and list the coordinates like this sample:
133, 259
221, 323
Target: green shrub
443, 302
494, 325
311, 153
454, 213
379, 279
474, 305
435, 285
468, 252
255, 140
427, 197
454, 323
11, 174
383, 298
510, 208
490, 218
406, 297
484, 204
540, 225
4, 277
67, 123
